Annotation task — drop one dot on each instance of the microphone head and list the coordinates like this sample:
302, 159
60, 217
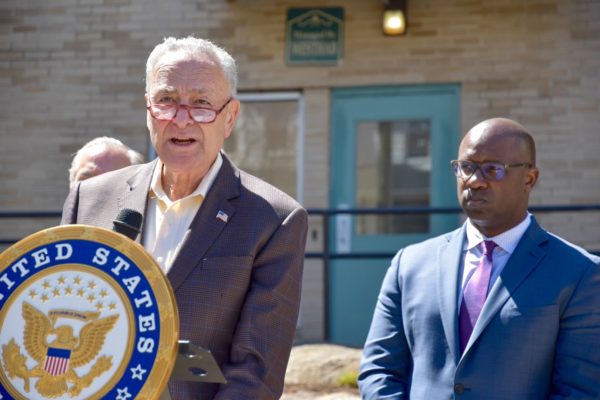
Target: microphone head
128, 223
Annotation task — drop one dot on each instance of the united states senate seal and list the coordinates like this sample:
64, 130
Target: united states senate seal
85, 313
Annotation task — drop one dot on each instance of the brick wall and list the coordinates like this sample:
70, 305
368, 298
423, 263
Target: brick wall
71, 70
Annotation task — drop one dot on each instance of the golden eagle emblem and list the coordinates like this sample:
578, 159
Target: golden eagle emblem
58, 358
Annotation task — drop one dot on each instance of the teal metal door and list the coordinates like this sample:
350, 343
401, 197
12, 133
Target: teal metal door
391, 147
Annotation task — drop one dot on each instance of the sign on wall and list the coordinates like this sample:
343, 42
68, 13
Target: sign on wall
314, 35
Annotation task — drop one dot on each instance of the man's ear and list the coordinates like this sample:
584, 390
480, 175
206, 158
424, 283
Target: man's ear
233, 110
532, 177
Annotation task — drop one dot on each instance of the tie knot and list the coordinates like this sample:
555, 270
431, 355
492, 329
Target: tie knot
488, 248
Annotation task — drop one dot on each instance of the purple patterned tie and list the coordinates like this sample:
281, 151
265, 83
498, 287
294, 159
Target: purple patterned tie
474, 294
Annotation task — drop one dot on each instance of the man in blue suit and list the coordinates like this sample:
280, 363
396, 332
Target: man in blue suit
516, 319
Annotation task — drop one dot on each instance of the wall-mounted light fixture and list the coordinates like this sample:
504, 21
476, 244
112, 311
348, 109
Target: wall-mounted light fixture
394, 17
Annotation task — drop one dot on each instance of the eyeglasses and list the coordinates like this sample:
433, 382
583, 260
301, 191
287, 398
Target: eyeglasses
493, 171
202, 115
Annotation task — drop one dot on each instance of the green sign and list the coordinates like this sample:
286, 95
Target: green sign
314, 35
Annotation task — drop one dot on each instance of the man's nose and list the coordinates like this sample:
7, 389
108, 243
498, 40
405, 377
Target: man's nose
182, 118
476, 180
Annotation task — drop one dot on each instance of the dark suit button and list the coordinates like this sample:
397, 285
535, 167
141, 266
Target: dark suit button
459, 388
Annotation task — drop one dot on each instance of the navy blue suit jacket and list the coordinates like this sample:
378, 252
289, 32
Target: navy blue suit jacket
538, 335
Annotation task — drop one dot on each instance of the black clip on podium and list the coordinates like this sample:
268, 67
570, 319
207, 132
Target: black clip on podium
194, 363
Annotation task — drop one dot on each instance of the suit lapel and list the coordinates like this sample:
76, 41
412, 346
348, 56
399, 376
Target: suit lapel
521, 263
206, 226
449, 259
136, 195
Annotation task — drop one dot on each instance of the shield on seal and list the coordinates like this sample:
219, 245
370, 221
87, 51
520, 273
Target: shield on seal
57, 361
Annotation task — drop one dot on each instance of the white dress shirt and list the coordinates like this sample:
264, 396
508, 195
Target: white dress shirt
506, 243
167, 221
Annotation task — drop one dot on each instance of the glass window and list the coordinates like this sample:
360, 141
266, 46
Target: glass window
393, 164
265, 139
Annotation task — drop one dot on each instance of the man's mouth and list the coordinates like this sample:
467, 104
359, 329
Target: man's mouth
182, 141
474, 197
475, 200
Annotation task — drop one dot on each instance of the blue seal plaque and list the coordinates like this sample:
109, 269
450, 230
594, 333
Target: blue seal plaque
85, 313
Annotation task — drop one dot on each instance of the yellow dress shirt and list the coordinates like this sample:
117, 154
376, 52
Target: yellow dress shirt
167, 221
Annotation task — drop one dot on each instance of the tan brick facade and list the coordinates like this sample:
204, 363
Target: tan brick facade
71, 70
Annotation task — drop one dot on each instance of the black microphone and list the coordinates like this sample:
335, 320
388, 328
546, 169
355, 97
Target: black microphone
128, 223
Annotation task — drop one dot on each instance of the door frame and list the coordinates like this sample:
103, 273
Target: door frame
422, 102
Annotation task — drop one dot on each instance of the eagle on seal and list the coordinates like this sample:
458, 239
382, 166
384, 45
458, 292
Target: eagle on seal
58, 359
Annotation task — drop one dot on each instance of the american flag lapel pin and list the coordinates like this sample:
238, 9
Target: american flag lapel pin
222, 216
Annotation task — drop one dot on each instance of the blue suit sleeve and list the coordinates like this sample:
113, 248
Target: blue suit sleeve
386, 363
576, 372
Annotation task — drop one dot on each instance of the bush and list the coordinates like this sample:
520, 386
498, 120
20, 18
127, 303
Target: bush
348, 379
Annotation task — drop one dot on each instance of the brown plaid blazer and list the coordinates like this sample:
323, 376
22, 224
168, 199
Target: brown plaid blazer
237, 283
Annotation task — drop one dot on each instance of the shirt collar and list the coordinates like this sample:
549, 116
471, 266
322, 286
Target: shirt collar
507, 240
156, 189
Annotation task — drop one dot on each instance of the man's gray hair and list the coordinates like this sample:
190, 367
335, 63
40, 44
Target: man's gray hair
194, 46
107, 142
